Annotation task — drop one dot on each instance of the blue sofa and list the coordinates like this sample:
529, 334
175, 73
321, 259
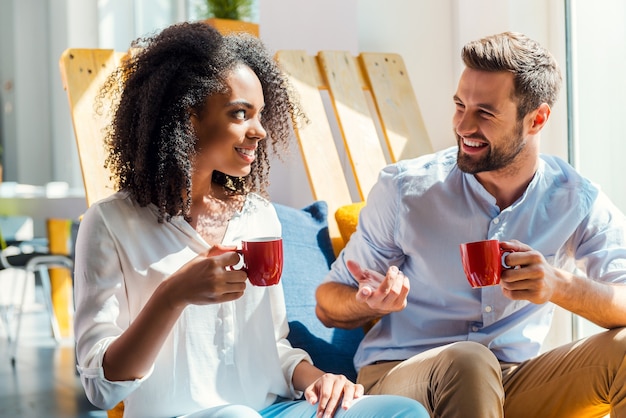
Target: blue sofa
308, 254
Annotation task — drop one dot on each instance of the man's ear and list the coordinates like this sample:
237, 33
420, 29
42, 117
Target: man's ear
539, 118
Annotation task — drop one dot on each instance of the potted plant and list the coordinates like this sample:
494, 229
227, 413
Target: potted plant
231, 15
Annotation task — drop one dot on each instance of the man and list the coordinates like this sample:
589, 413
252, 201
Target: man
467, 352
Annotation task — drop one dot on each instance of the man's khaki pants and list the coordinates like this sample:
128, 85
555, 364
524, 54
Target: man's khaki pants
583, 379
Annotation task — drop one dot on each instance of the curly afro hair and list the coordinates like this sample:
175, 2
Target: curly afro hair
164, 79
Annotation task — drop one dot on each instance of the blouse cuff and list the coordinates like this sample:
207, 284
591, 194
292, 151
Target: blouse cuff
100, 391
295, 359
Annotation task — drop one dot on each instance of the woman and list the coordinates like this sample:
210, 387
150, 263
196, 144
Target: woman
162, 321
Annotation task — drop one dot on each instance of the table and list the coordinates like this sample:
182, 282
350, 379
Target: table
42, 202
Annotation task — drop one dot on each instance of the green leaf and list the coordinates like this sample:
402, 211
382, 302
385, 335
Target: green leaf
230, 9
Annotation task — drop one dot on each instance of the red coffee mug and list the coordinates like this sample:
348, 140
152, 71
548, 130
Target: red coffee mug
263, 260
483, 262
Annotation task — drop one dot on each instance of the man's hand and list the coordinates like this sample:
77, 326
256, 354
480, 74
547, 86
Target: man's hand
383, 294
531, 277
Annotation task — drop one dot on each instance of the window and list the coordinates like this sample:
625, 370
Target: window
597, 61
596, 51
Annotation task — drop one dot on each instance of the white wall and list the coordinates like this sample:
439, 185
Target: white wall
305, 25
424, 34
309, 25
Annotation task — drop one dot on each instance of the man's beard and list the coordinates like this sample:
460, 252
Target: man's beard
495, 158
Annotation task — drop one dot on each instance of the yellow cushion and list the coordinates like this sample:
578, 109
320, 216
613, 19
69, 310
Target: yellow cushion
347, 218
117, 412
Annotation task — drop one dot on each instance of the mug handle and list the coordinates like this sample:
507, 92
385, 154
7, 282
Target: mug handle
241, 265
503, 263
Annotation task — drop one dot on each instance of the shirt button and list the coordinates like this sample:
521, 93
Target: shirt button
475, 329
487, 308
496, 221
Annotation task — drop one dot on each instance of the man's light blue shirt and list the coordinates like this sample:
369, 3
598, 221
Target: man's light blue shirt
419, 212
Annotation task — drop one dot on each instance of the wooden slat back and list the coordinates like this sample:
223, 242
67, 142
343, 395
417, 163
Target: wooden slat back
376, 113
400, 116
321, 158
83, 72
358, 130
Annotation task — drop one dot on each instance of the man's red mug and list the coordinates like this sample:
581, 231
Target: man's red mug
483, 262
263, 260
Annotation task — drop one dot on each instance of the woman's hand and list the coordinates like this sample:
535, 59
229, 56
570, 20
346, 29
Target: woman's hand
328, 390
207, 279
201, 281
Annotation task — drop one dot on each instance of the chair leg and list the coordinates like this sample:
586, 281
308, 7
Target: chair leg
40, 265
42, 271
20, 311
8, 311
5, 319
44, 276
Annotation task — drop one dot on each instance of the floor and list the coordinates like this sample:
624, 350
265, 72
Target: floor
44, 383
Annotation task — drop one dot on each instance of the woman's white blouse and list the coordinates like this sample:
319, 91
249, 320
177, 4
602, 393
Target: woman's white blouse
234, 352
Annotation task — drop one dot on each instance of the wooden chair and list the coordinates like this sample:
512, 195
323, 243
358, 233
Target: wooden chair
362, 111
375, 111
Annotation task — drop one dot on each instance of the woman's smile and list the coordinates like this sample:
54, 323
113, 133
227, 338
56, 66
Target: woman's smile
248, 154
